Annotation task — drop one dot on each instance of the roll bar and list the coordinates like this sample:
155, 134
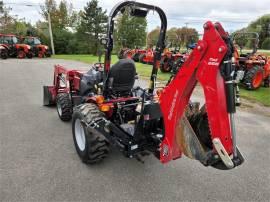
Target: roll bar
159, 46
253, 35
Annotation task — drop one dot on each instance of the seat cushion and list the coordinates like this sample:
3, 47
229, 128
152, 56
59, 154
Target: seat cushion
122, 75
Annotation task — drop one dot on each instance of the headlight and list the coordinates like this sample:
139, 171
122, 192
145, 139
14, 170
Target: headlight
28, 47
46, 47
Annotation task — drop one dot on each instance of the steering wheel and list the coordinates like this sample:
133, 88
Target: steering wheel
99, 66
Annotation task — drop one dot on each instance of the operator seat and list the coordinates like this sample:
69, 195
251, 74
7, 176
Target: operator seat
121, 77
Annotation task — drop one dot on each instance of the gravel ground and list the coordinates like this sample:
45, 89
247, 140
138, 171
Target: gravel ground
38, 161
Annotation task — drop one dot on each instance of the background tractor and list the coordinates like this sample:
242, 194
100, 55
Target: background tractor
15, 48
253, 68
108, 110
3, 51
147, 57
38, 48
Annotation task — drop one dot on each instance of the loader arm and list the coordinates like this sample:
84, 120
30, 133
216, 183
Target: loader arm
204, 66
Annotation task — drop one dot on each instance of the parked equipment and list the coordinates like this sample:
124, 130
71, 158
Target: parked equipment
253, 69
107, 110
3, 51
147, 57
15, 48
168, 59
38, 48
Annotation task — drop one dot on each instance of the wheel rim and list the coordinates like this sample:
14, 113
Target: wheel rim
79, 135
21, 54
59, 108
257, 80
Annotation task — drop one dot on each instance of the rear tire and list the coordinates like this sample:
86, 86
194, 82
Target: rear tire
64, 106
253, 78
91, 147
266, 82
29, 55
141, 58
4, 55
165, 65
135, 57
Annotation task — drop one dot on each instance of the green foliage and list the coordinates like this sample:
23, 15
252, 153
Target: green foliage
177, 37
261, 26
92, 25
130, 31
152, 37
266, 43
1, 7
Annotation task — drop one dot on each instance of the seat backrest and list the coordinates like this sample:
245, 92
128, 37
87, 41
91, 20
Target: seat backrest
122, 76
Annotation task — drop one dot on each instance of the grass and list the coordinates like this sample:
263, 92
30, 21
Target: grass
261, 95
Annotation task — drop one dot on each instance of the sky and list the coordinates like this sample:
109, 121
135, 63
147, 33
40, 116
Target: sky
233, 14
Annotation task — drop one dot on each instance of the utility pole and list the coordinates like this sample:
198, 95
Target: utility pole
50, 32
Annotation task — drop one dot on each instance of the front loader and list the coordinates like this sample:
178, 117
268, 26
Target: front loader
108, 110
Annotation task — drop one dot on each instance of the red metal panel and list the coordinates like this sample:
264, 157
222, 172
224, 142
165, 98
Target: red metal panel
202, 65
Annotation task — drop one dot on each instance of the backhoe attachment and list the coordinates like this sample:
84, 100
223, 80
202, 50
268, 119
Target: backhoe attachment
208, 134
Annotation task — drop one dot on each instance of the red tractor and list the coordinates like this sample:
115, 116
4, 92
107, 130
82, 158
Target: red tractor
253, 69
147, 57
133, 54
168, 60
38, 48
108, 110
14, 47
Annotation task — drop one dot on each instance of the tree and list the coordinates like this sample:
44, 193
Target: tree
130, 31
172, 37
266, 43
261, 26
152, 37
93, 23
6, 20
176, 36
1, 7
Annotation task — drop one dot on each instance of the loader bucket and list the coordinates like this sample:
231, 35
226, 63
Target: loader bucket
48, 95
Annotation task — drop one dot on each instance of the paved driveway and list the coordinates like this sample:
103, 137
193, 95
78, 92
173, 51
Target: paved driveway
38, 161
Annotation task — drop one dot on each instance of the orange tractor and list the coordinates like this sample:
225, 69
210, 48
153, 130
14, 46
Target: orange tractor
39, 49
147, 57
14, 47
133, 54
252, 69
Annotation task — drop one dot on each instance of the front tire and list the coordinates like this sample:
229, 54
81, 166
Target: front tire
165, 65
141, 58
64, 106
21, 54
91, 147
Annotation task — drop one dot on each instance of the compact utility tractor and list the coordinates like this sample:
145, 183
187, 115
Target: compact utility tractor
253, 68
134, 54
108, 110
3, 51
14, 47
168, 60
39, 50
147, 57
